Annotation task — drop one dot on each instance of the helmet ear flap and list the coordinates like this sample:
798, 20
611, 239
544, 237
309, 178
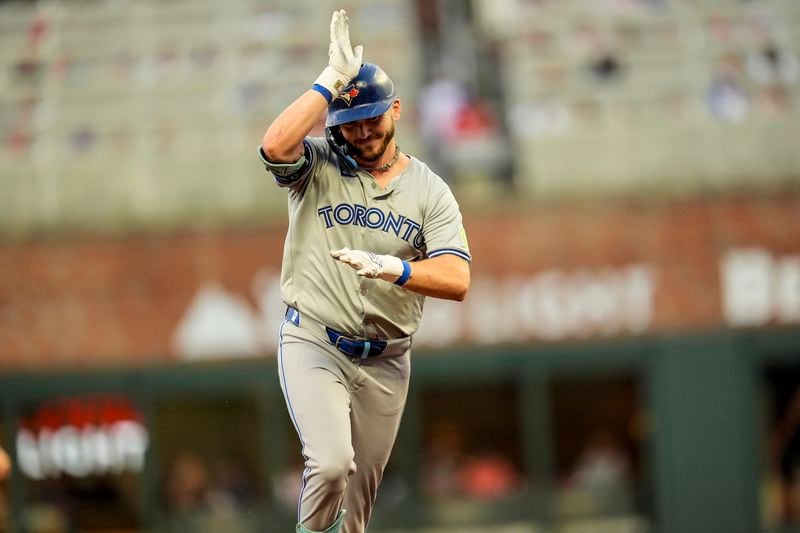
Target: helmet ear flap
336, 141
338, 138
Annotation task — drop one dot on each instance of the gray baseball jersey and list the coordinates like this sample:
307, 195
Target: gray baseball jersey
331, 206
347, 410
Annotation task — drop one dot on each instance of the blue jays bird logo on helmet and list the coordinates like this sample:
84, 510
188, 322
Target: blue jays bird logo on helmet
348, 93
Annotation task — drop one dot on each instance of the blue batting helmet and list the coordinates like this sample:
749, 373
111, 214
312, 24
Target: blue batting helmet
367, 95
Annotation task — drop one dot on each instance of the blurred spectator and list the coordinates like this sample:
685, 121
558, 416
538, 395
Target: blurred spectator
461, 132
232, 482
439, 105
28, 71
451, 472
19, 134
771, 65
488, 475
773, 101
188, 485
445, 453
476, 148
194, 487
606, 68
602, 466
474, 119
727, 99
81, 139
37, 30
440, 102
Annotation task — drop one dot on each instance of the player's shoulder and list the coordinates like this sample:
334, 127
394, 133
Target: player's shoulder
427, 179
420, 170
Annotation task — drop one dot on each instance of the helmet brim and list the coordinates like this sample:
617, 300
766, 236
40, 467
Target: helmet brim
359, 112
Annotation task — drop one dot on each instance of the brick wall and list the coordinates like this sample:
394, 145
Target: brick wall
93, 300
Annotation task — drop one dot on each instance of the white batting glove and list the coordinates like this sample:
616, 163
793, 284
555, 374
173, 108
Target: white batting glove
369, 265
344, 62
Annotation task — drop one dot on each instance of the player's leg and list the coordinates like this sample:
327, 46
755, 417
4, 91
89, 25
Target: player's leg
319, 406
376, 409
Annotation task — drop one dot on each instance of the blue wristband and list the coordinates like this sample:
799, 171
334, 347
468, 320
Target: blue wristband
323, 91
405, 275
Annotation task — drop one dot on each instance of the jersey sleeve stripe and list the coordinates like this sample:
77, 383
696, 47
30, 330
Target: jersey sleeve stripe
287, 175
284, 180
453, 251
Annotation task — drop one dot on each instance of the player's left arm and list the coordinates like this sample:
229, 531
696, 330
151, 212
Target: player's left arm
444, 276
444, 273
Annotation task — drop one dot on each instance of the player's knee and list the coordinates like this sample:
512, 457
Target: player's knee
335, 470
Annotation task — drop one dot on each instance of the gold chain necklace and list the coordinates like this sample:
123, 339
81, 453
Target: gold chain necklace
386, 166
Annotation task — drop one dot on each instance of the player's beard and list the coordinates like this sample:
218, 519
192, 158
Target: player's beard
372, 155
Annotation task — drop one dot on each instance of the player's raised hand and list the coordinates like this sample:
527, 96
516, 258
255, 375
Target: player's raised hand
344, 61
370, 265
342, 57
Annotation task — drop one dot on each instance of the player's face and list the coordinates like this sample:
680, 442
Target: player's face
368, 139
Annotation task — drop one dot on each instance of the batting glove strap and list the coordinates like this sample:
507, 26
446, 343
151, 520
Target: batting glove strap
323, 91
331, 81
405, 276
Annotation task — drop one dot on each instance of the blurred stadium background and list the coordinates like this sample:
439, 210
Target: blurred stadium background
628, 359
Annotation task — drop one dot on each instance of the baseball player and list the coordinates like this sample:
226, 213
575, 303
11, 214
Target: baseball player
372, 231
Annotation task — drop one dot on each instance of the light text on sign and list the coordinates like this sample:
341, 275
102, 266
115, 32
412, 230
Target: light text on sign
551, 305
81, 437
759, 288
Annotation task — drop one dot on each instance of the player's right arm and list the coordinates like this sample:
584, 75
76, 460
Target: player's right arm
283, 141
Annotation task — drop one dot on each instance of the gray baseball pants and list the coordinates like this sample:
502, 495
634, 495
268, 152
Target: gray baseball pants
346, 412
